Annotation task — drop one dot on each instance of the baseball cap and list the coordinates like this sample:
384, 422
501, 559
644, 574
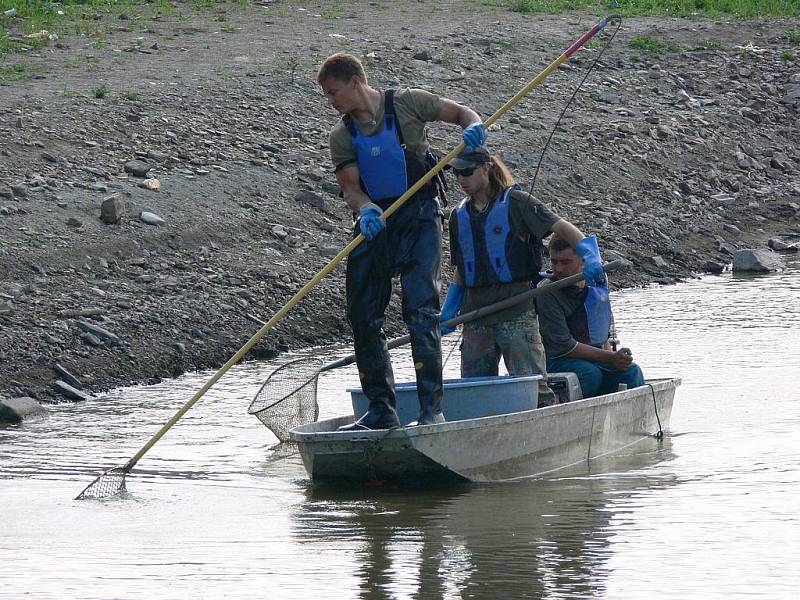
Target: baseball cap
470, 157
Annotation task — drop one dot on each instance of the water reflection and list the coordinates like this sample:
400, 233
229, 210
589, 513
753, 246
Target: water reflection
216, 511
523, 540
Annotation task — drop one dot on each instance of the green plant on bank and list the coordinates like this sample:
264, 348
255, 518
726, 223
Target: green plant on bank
131, 96
30, 241
227, 29
448, 58
16, 72
652, 45
334, 11
788, 55
792, 36
740, 9
84, 17
101, 91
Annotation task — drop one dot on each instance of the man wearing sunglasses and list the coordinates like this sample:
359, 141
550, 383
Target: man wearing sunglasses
496, 235
379, 150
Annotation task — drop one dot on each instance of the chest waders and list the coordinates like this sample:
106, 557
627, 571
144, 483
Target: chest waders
409, 246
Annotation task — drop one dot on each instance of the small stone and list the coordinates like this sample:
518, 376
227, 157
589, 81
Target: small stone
151, 218
312, 198
139, 168
659, 262
714, 267
151, 184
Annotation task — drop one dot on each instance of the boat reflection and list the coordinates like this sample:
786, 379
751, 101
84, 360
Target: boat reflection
528, 539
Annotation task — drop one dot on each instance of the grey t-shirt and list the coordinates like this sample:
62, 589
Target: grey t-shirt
553, 309
413, 107
527, 217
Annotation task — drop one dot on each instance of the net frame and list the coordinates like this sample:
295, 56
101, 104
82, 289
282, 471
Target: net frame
288, 398
108, 484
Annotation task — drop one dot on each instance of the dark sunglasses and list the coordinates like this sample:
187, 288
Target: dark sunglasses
464, 172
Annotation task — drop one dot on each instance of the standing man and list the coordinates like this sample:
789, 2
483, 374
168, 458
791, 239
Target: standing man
379, 150
575, 324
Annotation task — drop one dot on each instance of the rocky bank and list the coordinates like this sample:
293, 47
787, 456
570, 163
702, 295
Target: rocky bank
165, 190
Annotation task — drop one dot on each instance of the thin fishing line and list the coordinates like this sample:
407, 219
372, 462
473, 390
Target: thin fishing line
566, 106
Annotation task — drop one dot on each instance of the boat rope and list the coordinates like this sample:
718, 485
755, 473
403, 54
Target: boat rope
566, 106
660, 434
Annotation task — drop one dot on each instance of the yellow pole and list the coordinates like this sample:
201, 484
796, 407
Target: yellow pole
356, 241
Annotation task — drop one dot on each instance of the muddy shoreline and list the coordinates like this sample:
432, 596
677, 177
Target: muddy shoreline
675, 159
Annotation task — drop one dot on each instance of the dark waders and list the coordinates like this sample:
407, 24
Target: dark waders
411, 247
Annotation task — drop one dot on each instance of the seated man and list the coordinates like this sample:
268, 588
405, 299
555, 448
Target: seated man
575, 323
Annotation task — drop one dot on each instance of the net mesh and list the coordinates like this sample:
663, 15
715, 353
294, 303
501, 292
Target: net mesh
109, 484
288, 397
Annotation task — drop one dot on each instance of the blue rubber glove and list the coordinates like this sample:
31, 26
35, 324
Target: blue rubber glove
452, 304
474, 135
371, 223
588, 250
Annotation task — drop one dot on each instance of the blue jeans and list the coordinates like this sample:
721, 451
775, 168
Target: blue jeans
597, 378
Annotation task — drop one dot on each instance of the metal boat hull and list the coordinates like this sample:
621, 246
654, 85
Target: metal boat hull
524, 444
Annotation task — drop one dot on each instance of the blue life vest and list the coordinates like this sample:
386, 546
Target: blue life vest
489, 253
386, 167
591, 322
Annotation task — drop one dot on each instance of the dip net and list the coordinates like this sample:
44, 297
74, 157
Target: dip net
109, 484
288, 397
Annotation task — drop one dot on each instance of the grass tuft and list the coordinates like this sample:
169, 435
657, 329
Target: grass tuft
740, 9
101, 91
652, 45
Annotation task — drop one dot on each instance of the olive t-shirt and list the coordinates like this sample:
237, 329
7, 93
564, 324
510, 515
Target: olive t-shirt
413, 108
527, 217
554, 308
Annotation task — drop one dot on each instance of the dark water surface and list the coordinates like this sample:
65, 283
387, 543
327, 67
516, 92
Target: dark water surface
213, 509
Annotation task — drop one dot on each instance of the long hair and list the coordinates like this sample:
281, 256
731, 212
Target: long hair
499, 177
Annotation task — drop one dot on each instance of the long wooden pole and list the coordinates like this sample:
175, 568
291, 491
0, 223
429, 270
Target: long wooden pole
303, 292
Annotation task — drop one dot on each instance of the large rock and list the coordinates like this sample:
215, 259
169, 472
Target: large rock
779, 245
756, 261
112, 209
110, 338
69, 392
14, 410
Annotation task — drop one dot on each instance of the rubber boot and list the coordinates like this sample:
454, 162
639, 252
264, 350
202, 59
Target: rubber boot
379, 416
428, 417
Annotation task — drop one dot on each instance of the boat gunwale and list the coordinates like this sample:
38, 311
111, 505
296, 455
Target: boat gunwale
404, 433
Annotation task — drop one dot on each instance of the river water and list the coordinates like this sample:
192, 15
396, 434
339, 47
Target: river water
214, 509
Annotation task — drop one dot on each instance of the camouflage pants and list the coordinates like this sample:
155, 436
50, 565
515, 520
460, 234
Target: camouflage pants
517, 341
